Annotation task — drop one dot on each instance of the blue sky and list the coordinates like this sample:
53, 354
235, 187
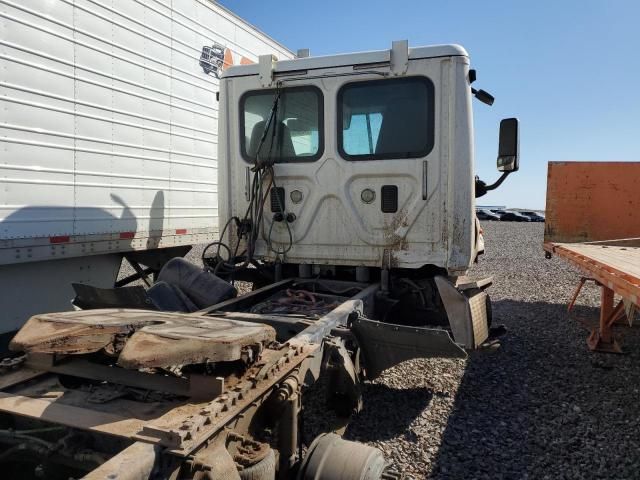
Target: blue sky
568, 69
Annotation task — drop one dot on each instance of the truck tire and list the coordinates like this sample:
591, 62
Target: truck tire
265, 469
331, 458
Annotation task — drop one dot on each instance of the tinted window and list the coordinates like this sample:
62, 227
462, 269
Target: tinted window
384, 119
295, 133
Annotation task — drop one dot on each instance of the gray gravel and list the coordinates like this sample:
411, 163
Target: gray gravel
540, 406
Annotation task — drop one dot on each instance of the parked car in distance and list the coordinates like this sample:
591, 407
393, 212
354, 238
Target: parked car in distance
514, 217
534, 216
487, 215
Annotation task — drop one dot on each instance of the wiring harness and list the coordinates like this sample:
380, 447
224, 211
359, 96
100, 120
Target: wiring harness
250, 225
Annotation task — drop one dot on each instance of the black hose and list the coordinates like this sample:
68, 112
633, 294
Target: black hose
12, 435
252, 220
12, 450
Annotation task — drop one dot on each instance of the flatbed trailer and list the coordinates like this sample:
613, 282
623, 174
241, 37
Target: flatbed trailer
615, 267
591, 206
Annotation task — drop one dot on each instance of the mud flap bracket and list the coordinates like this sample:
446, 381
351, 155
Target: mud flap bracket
344, 395
384, 345
466, 307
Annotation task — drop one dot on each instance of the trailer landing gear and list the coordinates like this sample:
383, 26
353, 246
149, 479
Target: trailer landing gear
601, 339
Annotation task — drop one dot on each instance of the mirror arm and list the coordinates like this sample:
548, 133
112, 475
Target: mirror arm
482, 188
498, 182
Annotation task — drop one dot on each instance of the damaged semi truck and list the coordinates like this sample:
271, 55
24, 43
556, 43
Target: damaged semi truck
346, 197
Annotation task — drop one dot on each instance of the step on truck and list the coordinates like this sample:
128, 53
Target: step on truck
346, 201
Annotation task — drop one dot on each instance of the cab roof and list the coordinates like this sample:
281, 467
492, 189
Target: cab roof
348, 59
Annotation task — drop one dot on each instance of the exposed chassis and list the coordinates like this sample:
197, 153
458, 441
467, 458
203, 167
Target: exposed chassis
191, 433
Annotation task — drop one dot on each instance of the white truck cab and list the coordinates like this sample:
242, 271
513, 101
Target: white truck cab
372, 157
356, 166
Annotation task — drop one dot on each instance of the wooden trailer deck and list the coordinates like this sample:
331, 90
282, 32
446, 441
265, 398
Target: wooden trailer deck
612, 264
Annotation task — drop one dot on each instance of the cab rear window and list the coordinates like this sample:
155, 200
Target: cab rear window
294, 133
386, 119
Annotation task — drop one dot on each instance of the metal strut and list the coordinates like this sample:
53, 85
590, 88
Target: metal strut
601, 339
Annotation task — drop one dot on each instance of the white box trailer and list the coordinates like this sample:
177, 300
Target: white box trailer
108, 126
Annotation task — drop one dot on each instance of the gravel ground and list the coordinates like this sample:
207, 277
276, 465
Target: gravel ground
541, 406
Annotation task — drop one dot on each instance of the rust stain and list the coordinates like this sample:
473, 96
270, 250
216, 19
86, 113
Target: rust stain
393, 241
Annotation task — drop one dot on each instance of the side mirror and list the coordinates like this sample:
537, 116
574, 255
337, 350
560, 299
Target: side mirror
509, 145
484, 97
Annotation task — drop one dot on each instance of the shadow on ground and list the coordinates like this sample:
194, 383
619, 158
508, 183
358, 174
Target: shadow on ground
381, 419
542, 404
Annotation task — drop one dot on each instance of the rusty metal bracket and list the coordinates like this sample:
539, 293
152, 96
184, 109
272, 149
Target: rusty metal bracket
344, 392
629, 311
183, 436
601, 339
577, 291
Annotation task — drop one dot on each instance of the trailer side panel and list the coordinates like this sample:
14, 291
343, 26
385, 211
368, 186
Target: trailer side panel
592, 201
108, 123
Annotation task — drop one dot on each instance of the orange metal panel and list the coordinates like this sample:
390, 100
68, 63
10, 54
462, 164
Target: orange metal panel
591, 201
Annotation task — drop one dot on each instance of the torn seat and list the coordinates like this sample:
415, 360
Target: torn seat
143, 339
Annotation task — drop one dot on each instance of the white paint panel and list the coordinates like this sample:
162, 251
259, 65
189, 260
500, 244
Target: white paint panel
108, 123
